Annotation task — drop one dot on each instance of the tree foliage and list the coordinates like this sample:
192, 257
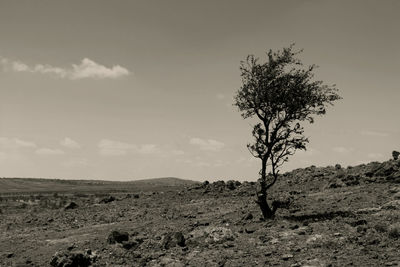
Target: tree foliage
281, 93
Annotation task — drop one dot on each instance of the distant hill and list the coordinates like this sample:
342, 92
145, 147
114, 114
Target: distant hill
40, 185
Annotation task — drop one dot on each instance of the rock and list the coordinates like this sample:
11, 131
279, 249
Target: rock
174, 239
395, 155
250, 230
338, 166
392, 205
70, 259
394, 231
70, 206
357, 223
335, 184
231, 185
130, 244
9, 254
286, 257
213, 234
107, 200
249, 216
117, 237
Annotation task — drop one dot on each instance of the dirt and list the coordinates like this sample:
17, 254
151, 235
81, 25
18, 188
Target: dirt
337, 217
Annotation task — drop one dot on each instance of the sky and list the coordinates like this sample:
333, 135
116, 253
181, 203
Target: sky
126, 90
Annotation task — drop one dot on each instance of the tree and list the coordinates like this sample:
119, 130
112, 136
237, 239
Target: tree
280, 94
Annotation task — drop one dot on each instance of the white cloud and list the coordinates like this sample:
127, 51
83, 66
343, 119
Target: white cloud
90, 69
207, 145
69, 143
14, 143
19, 66
49, 151
87, 68
373, 133
375, 155
343, 150
148, 149
115, 148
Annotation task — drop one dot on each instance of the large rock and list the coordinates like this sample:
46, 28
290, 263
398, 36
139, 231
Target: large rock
71, 259
107, 200
173, 239
213, 234
117, 237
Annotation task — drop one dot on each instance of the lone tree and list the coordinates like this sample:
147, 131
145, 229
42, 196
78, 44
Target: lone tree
280, 93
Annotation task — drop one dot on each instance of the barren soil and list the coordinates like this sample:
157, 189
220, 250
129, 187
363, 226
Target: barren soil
337, 217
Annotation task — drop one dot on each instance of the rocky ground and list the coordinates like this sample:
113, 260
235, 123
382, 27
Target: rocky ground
337, 217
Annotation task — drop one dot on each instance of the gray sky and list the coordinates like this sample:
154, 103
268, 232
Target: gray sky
124, 90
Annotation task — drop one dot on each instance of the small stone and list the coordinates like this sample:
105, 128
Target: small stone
70, 206
286, 257
249, 230
249, 216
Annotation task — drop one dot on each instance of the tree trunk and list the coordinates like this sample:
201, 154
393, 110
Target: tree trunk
267, 212
262, 195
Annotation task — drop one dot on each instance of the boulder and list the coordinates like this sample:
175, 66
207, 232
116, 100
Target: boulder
231, 185
117, 237
212, 234
395, 155
107, 200
173, 239
71, 259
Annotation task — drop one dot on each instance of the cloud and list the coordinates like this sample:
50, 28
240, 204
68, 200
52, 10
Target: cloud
115, 148
342, 150
69, 143
14, 143
207, 145
373, 133
148, 149
375, 155
87, 68
90, 69
49, 151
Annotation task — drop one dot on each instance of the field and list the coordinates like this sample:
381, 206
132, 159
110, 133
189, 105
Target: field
336, 217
